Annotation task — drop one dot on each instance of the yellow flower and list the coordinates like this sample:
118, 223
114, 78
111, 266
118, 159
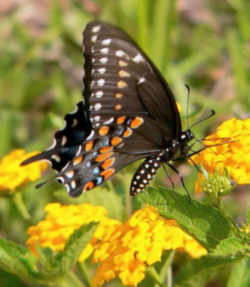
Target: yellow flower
232, 151
245, 228
13, 175
60, 223
123, 250
137, 243
179, 107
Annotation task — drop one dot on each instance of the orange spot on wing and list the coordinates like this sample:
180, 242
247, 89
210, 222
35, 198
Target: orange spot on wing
89, 146
121, 120
122, 63
89, 185
103, 156
118, 107
122, 84
136, 122
123, 74
77, 160
103, 130
115, 141
107, 173
118, 95
127, 133
105, 149
108, 163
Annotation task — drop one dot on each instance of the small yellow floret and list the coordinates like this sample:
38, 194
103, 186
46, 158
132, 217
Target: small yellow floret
12, 175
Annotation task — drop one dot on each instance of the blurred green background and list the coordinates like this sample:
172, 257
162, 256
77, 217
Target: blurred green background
202, 43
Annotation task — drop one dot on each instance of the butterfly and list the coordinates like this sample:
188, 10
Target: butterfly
128, 113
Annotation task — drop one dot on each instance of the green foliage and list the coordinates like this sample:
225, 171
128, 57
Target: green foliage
16, 259
240, 274
190, 272
54, 268
40, 81
74, 246
207, 224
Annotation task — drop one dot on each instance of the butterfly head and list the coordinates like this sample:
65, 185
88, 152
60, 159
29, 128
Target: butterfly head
185, 137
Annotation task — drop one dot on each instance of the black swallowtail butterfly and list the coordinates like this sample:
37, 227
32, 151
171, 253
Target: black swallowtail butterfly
128, 113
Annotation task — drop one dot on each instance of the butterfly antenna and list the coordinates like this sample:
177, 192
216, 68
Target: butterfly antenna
187, 105
41, 184
203, 118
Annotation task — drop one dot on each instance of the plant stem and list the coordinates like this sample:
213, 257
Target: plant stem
155, 276
84, 273
142, 16
69, 280
18, 200
167, 265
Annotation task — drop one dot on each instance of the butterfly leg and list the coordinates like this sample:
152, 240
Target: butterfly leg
195, 165
168, 176
182, 180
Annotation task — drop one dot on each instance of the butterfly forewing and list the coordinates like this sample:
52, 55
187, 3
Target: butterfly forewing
117, 74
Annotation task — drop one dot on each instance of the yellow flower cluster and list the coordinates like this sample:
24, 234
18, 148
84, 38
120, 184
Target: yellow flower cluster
137, 243
13, 175
231, 142
122, 249
60, 223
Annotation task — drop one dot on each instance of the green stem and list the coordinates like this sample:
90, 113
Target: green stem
84, 273
69, 280
162, 25
142, 13
128, 202
18, 200
155, 276
167, 265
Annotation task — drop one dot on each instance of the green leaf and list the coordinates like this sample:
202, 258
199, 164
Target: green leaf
16, 259
231, 245
205, 223
75, 245
49, 262
197, 267
239, 274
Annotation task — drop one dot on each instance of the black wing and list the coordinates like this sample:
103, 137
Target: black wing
66, 141
121, 79
130, 106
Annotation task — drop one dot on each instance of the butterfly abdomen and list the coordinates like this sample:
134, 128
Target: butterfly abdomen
145, 173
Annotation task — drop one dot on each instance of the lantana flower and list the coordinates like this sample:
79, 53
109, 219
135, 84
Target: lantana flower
12, 175
230, 150
123, 250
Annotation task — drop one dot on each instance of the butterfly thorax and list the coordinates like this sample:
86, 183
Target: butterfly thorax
178, 147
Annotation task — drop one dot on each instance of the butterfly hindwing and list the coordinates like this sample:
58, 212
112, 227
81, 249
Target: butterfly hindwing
67, 140
99, 157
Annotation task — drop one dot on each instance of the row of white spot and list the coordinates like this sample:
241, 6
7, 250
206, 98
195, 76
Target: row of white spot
119, 53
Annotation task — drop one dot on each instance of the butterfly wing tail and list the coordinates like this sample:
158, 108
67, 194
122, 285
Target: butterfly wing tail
41, 156
67, 140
